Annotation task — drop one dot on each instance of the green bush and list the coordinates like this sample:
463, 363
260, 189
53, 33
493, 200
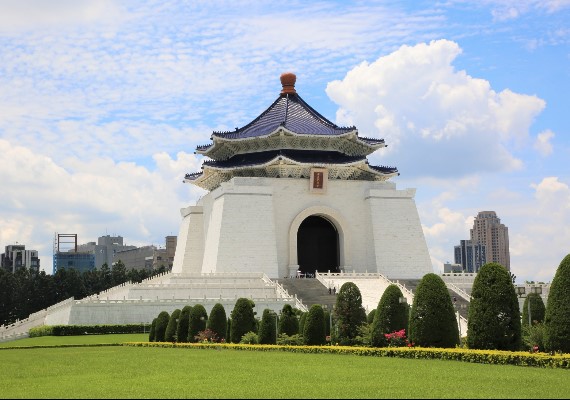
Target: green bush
533, 336
75, 330
228, 331
288, 321
557, 316
314, 333
183, 322
170, 333
370, 316
293, 340
249, 338
243, 319
391, 316
267, 328
160, 327
537, 309
302, 320
152, 333
217, 322
494, 321
349, 314
197, 322
432, 318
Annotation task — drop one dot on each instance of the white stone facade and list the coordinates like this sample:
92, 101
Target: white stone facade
250, 225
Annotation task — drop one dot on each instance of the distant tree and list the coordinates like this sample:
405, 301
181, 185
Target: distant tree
183, 322
170, 333
432, 318
494, 321
267, 333
105, 276
314, 333
537, 309
160, 327
288, 322
118, 273
391, 315
243, 319
218, 322
349, 313
557, 316
197, 321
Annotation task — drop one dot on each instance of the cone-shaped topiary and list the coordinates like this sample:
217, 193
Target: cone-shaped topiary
557, 316
288, 322
228, 331
243, 319
537, 309
432, 318
267, 328
370, 316
218, 322
197, 322
183, 321
349, 314
160, 327
302, 320
494, 321
170, 333
314, 332
152, 333
391, 315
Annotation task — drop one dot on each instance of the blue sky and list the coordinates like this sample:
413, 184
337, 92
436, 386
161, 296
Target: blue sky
103, 103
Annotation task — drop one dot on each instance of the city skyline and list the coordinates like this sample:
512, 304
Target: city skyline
103, 104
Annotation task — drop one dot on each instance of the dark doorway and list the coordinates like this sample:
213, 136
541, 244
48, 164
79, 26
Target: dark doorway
317, 246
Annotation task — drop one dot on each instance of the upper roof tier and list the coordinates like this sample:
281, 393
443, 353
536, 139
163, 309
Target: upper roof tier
297, 125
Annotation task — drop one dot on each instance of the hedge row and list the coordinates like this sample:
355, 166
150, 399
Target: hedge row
496, 357
74, 330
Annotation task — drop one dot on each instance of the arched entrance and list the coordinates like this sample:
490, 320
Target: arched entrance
317, 246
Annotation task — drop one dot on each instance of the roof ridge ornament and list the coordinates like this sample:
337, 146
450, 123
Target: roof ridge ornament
288, 80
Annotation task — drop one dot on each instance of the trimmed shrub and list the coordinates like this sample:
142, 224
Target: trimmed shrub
170, 333
370, 316
537, 309
314, 333
293, 340
160, 328
267, 328
494, 321
228, 331
432, 318
196, 322
302, 321
183, 322
288, 322
218, 321
557, 316
249, 338
243, 319
391, 315
349, 314
533, 337
327, 323
152, 333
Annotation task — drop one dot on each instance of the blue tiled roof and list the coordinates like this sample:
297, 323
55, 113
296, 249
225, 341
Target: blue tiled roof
291, 112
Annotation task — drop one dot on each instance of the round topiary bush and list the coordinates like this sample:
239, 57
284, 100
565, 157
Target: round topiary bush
288, 322
391, 315
267, 333
160, 327
217, 322
494, 321
183, 322
243, 319
314, 332
557, 315
197, 322
432, 319
170, 333
349, 314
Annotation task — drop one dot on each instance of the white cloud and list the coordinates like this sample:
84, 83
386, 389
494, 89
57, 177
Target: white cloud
437, 121
542, 143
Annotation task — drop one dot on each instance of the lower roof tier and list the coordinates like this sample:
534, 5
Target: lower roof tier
288, 164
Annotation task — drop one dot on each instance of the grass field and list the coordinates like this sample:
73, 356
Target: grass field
138, 372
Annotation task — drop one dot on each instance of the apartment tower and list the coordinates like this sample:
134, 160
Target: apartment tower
488, 230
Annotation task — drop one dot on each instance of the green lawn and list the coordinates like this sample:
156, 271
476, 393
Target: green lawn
82, 339
140, 372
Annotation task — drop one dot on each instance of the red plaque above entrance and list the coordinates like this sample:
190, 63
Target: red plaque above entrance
319, 179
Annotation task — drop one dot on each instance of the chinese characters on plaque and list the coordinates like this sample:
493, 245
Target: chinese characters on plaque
318, 181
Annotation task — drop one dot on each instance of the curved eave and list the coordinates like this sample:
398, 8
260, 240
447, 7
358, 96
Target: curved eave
219, 143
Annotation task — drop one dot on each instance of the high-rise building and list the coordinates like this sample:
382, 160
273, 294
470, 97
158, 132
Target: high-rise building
488, 230
17, 257
105, 250
471, 256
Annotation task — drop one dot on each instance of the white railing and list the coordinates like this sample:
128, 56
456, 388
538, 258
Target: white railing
459, 291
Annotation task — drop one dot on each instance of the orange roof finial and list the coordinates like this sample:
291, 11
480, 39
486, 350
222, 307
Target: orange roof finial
288, 81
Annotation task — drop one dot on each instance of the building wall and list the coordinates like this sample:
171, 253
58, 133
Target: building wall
488, 230
250, 225
17, 257
135, 258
